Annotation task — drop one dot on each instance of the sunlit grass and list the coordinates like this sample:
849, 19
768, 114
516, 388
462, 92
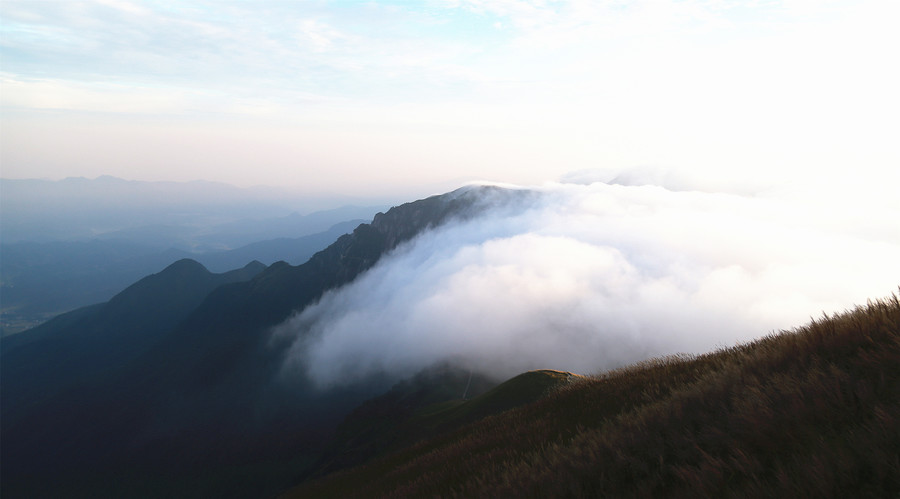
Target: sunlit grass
810, 412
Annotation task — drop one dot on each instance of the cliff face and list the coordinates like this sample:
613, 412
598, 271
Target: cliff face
403, 222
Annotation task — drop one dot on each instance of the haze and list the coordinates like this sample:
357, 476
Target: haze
414, 98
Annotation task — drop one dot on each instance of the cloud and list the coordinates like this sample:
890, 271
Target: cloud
590, 278
673, 179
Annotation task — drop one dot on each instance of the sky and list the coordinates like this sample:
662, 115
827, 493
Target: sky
416, 97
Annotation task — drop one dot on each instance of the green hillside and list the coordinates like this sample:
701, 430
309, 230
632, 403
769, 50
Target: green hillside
811, 412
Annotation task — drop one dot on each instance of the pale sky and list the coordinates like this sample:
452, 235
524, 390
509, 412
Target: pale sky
418, 96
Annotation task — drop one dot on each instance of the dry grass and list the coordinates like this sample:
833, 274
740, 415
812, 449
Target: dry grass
812, 412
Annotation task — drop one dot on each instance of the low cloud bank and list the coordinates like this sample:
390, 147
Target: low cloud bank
593, 277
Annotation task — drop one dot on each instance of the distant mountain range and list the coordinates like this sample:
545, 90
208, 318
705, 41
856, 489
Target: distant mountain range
175, 388
187, 215
76, 242
41, 280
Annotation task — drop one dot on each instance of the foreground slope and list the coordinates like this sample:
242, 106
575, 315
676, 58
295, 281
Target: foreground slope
812, 412
434, 401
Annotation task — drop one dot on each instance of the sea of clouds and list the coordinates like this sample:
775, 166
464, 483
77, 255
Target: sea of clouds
593, 277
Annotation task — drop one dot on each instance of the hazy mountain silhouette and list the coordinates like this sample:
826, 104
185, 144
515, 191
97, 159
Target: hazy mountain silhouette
293, 250
40, 280
164, 213
91, 341
248, 230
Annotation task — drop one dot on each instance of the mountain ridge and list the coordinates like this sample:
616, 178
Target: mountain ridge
41, 278
94, 339
207, 390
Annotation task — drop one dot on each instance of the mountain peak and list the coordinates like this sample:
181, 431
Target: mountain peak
407, 220
255, 266
185, 266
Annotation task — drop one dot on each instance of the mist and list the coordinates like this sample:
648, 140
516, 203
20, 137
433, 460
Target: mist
593, 277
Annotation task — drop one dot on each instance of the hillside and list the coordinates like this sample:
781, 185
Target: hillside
811, 412
434, 401
92, 340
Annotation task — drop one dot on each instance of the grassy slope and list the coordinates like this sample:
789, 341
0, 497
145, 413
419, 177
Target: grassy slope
429, 405
813, 412
520, 390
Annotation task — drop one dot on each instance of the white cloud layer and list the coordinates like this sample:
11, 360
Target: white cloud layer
594, 277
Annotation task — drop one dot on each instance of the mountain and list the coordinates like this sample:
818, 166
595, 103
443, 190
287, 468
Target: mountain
196, 411
293, 250
245, 231
75, 242
91, 341
812, 412
42, 280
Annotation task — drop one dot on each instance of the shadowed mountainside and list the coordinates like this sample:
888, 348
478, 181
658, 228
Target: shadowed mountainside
293, 250
91, 341
197, 411
433, 402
